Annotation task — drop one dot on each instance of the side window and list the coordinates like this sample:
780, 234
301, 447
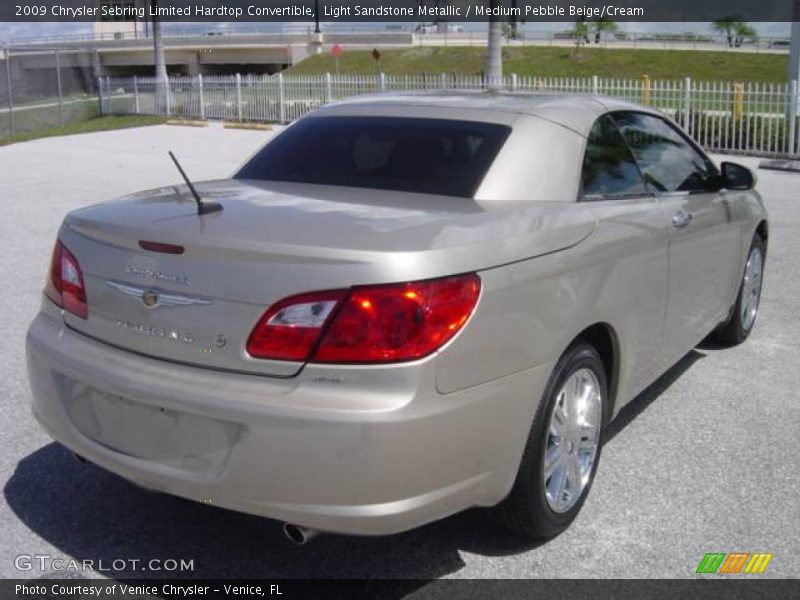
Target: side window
669, 163
609, 168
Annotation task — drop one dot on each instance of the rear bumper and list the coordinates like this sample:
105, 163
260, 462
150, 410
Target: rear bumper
323, 450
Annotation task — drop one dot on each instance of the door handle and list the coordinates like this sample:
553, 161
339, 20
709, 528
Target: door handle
681, 219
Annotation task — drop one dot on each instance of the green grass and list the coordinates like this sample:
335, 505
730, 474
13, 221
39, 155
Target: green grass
91, 125
560, 62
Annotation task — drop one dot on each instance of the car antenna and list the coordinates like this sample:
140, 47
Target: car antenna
203, 207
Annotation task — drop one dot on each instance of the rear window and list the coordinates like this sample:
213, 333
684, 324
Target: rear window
429, 156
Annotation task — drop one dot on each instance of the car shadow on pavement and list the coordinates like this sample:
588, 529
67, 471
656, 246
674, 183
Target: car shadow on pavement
91, 514
638, 405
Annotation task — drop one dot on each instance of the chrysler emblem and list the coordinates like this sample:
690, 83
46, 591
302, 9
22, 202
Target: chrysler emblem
150, 298
154, 299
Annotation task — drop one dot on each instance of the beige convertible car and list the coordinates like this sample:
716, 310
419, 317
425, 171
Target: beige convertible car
401, 307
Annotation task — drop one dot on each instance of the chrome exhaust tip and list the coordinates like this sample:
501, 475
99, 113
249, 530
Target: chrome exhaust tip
299, 535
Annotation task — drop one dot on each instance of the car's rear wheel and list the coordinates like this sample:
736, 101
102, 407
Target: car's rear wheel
563, 448
743, 314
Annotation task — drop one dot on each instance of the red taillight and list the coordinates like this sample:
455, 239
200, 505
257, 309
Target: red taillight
65, 284
290, 328
370, 324
393, 323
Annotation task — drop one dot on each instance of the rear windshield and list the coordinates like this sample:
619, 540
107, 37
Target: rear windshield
429, 156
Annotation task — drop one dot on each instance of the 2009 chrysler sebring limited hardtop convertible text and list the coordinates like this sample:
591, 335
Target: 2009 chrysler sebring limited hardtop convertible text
401, 307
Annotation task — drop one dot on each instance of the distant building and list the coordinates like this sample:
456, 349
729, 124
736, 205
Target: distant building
123, 23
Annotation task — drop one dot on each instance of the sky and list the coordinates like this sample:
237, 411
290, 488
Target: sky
11, 31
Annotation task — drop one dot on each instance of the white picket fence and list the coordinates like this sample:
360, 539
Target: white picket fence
750, 117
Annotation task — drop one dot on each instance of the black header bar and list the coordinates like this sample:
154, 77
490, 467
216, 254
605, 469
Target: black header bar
398, 11
417, 589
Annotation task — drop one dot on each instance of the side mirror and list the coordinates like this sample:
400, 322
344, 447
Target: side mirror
737, 177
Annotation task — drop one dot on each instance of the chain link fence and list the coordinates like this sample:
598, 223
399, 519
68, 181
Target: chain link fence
45, 89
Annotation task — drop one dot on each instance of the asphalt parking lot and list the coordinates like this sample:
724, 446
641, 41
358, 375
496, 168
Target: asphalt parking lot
704, 461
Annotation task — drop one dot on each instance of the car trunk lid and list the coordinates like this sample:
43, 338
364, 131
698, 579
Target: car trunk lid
271, 241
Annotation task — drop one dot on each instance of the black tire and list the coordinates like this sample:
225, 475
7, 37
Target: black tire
734, 331
526, 510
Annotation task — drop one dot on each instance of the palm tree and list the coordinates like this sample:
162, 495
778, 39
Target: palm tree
162, 79
603, 25
494, 52
736, 31
727, 26
743, 31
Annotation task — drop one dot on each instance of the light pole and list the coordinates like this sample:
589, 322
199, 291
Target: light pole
316, 17
11, 121
514, 21
793, 108
493, 72
794, 52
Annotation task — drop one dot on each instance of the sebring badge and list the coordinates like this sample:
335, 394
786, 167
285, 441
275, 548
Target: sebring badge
154, 299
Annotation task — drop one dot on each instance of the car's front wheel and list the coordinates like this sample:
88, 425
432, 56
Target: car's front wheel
563, 448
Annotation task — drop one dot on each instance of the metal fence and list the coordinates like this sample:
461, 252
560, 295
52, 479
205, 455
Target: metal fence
753, 118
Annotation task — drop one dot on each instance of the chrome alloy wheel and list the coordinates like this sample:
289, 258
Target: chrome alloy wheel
573, 438
751, 288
